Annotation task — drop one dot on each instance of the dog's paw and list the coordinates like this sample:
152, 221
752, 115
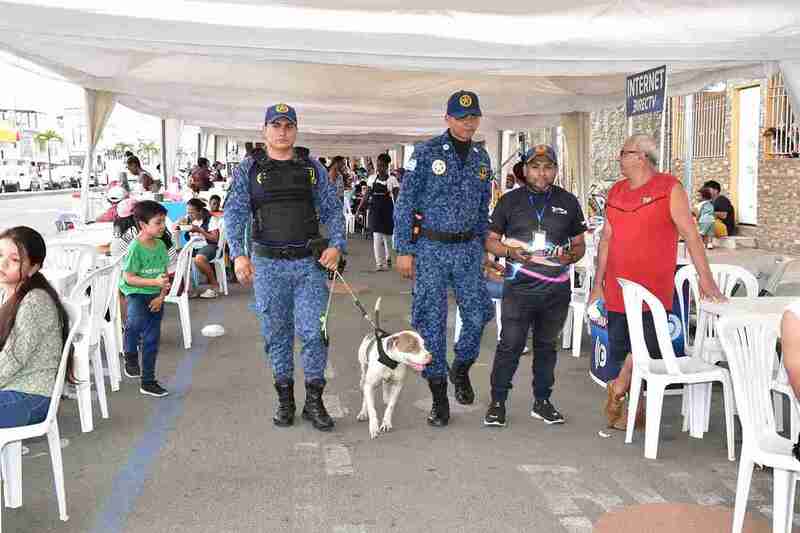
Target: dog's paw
361, 416
374, 431
386, 426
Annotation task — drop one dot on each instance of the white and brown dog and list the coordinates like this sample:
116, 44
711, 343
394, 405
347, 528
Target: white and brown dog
402, 349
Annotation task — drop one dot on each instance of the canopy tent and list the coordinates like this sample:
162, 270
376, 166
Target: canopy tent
371, 67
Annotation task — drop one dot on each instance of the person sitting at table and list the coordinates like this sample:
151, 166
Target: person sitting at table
206, 227
214, 204
33, 329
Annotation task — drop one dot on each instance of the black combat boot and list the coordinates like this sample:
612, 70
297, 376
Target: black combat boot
284, 415
440, 409
459, 375
314, 410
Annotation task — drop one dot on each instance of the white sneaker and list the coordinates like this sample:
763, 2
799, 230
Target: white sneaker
208, 293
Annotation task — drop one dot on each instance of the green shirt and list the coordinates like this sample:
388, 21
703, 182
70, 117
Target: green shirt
149, 263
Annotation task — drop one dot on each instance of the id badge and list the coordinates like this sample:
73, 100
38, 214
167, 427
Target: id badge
539, 240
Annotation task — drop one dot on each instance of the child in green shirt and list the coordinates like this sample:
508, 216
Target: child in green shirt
145, 284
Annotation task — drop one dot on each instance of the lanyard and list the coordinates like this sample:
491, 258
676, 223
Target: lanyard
540, 212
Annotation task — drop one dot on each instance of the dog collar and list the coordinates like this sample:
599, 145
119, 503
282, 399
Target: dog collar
384, 359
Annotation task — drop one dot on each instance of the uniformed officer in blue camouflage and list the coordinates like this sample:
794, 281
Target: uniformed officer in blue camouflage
441, 220
280, 190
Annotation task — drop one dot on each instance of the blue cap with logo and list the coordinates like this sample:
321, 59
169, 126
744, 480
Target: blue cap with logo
279, 111
463, 103
541, 150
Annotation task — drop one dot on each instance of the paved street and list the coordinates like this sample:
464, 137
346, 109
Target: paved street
207, 458
36, 211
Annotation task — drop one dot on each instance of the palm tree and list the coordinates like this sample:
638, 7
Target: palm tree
44, 139
148, 148
120, 148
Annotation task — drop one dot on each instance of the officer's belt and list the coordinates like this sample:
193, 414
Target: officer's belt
281, 253
450, 238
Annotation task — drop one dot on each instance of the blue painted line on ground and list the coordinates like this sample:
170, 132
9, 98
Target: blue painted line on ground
129, 482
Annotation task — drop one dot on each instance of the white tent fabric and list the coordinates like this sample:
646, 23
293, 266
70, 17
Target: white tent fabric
173, 129
99, 105
362, 67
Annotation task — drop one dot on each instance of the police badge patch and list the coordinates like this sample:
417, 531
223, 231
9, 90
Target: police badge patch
483, 173
465, 100
439, 167
312, 175
281, 108
261, 178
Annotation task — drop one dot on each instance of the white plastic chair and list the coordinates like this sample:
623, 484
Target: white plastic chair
749, 344
780, 386
662, 372
111, 327
11, 438
219, 261
78, 258
572, 333
100, 284
727, 277
180, 295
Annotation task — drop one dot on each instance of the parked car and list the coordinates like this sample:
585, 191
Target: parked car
67, 176
10, 175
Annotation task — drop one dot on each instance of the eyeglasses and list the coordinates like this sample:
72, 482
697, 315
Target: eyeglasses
623, 153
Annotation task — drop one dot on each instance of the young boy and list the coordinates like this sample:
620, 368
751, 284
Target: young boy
145, 284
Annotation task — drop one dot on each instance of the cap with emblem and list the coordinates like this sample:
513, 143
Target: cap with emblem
463, 103
279, 111
541, 150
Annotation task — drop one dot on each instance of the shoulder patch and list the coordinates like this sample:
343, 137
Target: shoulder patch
411, 165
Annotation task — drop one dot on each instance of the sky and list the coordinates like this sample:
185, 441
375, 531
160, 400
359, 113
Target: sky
28, 86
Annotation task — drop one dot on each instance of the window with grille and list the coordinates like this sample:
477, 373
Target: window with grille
708, 115
781, 133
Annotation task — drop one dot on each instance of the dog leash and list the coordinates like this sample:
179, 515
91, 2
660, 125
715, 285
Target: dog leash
326, 340
380, 333
357, 302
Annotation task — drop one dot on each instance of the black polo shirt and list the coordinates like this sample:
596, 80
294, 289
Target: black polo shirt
516, 216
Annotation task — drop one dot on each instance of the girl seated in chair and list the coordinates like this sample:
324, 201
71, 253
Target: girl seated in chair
33, 328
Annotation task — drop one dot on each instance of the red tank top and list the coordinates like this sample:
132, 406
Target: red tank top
644, 240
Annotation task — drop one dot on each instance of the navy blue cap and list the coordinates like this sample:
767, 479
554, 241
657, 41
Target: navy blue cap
463, 103
541, 150
278, 111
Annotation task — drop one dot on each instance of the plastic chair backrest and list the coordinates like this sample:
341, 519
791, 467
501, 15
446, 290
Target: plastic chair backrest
750, 347
727, 277
634, 296
77, 257
183, 268
74, 314
100, 287
221, 241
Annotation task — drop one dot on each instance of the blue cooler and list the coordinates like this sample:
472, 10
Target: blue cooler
604, 368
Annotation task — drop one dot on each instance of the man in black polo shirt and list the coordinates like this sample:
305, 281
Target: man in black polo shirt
723, 208
543, 225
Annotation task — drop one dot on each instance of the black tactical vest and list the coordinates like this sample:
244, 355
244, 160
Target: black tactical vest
282, 201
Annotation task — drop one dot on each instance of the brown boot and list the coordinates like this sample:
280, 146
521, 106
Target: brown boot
615, 405
621, 424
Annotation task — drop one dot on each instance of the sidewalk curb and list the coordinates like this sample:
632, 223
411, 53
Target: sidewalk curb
54, 192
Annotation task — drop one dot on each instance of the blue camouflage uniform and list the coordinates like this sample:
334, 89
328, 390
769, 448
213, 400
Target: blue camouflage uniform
454, 198
290, 295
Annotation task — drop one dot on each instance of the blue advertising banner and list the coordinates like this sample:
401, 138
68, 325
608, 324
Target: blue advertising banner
645, 91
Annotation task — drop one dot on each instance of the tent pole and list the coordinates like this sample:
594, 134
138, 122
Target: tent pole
164, 153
